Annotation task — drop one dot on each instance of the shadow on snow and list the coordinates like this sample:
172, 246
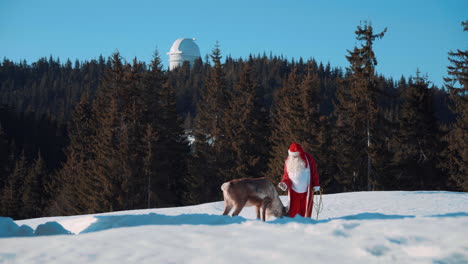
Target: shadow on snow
8, 228
116, 221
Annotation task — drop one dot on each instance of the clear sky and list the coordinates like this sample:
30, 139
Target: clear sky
420, 32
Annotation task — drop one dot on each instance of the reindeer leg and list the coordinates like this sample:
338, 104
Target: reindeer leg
258, 211
266, 203
227, 208
239, 207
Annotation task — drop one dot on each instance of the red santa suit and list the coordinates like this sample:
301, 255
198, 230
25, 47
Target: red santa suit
301, 182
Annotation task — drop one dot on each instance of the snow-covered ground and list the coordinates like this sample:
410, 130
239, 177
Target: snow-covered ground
362, 227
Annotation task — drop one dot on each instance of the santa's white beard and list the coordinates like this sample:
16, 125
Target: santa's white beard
295, 165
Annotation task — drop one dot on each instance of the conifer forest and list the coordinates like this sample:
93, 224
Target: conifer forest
109, 134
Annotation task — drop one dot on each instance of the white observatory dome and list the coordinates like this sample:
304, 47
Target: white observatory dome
183, 49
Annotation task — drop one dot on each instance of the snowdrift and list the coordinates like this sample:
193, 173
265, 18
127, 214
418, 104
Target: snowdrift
8, 228
364, 227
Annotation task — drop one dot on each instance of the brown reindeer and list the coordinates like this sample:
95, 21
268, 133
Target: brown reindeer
258, 192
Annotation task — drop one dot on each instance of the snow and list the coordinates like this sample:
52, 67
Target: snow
8, 228
361, 227
50, 229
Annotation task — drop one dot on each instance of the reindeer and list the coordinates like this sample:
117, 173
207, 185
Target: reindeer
258, 192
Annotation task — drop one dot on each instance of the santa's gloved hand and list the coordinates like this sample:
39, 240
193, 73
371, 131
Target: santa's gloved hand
316, 188
282, 186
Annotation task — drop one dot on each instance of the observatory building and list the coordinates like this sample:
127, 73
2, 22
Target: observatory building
183, 49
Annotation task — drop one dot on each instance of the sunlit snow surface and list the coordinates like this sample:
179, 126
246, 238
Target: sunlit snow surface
363, 227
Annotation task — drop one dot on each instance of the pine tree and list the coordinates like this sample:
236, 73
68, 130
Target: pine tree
4, 158
216, 96
246, 131
76, 191
132, 131
172, 145
31, 192
8, 205
122, 178
310, 88
117, 145
170, 149
16, 182
358, 116
106, 167
207, 160
286, 118
8, 202
457, 149
417, 138
149, 171
296, 118
326, 156
153, 81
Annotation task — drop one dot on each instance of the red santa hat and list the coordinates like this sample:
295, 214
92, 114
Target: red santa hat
296, 149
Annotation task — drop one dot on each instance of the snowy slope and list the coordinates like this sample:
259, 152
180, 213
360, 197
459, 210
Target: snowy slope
364, 227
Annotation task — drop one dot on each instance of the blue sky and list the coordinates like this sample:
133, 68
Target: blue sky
420, 33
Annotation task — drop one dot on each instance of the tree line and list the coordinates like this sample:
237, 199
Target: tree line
107, 134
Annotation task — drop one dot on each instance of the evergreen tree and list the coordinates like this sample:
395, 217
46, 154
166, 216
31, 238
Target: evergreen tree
358, 117
4, 158
326, 156
172, 147
16, 182
149, 171
106, 166
457, 149
31, 191
132, 130
246, 131
153, 81
122, 178
310, 89
415, 154
295, 119
288, 124
117, 143
208, 133
76, 190
8, 205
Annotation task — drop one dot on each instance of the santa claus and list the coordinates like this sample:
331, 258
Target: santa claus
301, 180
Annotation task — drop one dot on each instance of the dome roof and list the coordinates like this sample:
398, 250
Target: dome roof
185, 46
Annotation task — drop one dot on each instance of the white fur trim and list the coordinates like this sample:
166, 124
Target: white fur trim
294, 154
